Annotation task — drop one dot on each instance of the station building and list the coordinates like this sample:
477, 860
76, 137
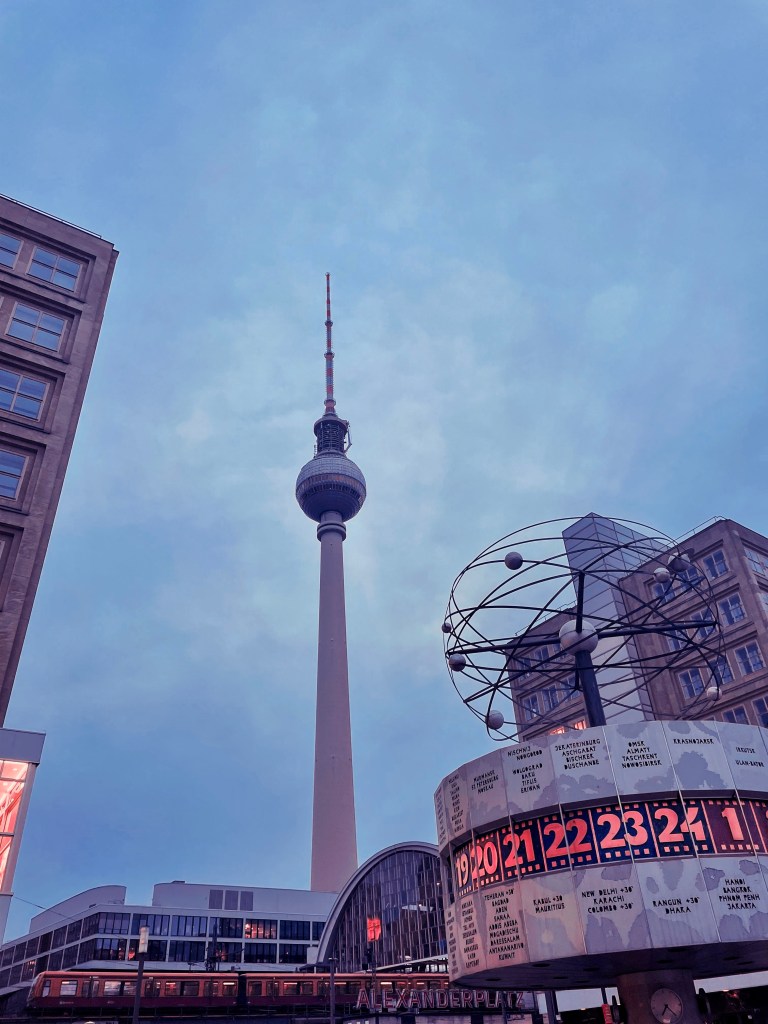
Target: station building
190, 925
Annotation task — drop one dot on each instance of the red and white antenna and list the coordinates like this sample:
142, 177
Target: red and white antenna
330, 402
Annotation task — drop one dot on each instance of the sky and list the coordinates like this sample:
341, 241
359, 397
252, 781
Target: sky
545, 225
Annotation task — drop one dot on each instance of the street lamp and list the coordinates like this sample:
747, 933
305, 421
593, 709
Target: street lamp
143, 947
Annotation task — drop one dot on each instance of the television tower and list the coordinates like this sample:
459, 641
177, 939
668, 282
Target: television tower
331, 489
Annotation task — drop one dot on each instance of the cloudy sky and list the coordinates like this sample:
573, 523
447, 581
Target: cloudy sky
546, 227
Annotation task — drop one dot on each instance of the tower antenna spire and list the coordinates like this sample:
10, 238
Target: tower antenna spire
330, 401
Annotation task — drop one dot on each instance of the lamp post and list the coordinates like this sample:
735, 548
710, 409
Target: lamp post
332, 961
143, 947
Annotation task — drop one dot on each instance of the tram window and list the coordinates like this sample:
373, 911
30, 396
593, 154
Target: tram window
290, 988
46, 987
152, 987
129, 988
68, 988
228, 988
254, 988
190, 988
306, 988
171, 988
210, 988
112, 988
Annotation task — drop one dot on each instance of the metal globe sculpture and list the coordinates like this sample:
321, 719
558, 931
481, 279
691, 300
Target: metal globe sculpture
554, 601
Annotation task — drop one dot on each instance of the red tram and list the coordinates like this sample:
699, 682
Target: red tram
94, 994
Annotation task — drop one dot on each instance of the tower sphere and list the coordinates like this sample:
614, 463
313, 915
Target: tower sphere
330, 483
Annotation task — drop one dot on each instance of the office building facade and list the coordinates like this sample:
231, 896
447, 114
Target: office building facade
54, 280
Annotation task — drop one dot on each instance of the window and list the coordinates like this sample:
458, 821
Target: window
107, 949
736, 715
157, 923
69, 957
732, 609
677, 639
294, 930
216, 899
189, 926
246, 901
723, 670
229, 952
190, 988
663, 592
761, 708
156, 949
580, 724
186, 952
689, 577
230, 899
317, 930
544, 653
60, 936
260, 929
764, 599
68, 988
715, 564
551, 696
11, 470
37, 327
292, 953
227, 927
9, 250
54, 961
114, 924
47, 266
531, 707
112, 988
73, 930
749, 659
260, 953
703, 631
757, 560
691, 682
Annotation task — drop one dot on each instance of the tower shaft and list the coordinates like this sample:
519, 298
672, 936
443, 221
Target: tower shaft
334, 837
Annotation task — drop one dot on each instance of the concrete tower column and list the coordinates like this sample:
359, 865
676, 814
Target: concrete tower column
331, 489
334, 836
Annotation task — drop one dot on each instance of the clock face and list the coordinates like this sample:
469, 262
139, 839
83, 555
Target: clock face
666, 1006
